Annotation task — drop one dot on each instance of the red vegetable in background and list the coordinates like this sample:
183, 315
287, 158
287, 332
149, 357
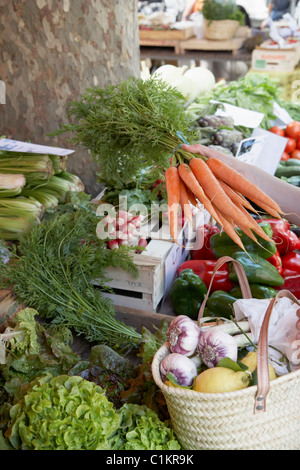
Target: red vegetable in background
291, 264
277, 130
204, 233
296, 154
290, 146
293, 130
277, 262
204, 269
285, 239
285, 156
292, 283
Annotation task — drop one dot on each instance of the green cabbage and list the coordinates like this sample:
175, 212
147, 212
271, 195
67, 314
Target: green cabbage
141, 429
63, 413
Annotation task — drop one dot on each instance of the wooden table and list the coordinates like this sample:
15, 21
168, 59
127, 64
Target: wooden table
168, 54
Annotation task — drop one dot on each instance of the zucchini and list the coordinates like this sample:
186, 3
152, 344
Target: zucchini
295, 180
288, 171
292, 162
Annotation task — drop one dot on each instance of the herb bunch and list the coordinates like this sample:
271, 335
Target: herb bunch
128, 127
52, 270
214, 10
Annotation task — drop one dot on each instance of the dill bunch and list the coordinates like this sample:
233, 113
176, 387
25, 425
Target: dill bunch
52, 269
129, 126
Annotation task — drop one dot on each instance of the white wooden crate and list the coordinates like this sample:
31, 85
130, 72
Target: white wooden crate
145, 292
157, 266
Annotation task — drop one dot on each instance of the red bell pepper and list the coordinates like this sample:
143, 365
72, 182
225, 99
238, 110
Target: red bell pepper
292, 284
291, 264
277, 262
285, 239
204, 269
204, 232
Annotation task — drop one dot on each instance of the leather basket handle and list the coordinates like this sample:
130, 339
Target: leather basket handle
263, 378
242, 278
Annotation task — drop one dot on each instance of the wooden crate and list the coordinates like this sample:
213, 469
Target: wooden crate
145, 292
267, 59
167, 34
165, 38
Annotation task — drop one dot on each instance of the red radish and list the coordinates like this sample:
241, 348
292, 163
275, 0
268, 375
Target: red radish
112, 244
137, 220
122, 242
142, 243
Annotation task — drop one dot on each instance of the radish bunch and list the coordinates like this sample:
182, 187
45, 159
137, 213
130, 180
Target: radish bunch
124, 230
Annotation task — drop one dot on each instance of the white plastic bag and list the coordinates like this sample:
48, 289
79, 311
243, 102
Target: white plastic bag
281, 333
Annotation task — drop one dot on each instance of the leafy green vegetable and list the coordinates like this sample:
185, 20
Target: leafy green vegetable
143, 389
216, 10
141, 429
129, 126
108, 369
53, 270
254, 91
31, 350
62, 413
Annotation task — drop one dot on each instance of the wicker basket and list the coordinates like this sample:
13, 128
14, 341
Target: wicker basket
262, 417
220, 30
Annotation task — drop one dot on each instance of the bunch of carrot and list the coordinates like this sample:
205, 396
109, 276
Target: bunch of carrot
223, 192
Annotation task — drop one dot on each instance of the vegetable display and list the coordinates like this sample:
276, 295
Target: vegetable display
148, 130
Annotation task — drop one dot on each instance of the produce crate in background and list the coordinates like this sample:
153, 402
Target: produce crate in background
265, 58
165, 37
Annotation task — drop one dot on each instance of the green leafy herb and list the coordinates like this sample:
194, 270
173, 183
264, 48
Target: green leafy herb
52, 270
129, 126
216, 10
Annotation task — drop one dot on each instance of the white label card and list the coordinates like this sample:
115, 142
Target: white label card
263, 149
241, 116
26, 147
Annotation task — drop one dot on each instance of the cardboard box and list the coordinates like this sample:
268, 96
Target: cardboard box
267, 59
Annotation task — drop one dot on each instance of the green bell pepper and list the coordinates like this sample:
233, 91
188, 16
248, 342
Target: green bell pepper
220, 304
187, 294
258, 292
257, 269
222, 245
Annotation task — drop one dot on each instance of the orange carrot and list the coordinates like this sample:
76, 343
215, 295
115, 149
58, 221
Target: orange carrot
191, 197
185, 203
266, 208
214, 191
228, 228
237, 181
172, 180
236, 197
191, 182
256, 227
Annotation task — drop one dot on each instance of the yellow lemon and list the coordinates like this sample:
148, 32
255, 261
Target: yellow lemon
251, 362
221, 379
